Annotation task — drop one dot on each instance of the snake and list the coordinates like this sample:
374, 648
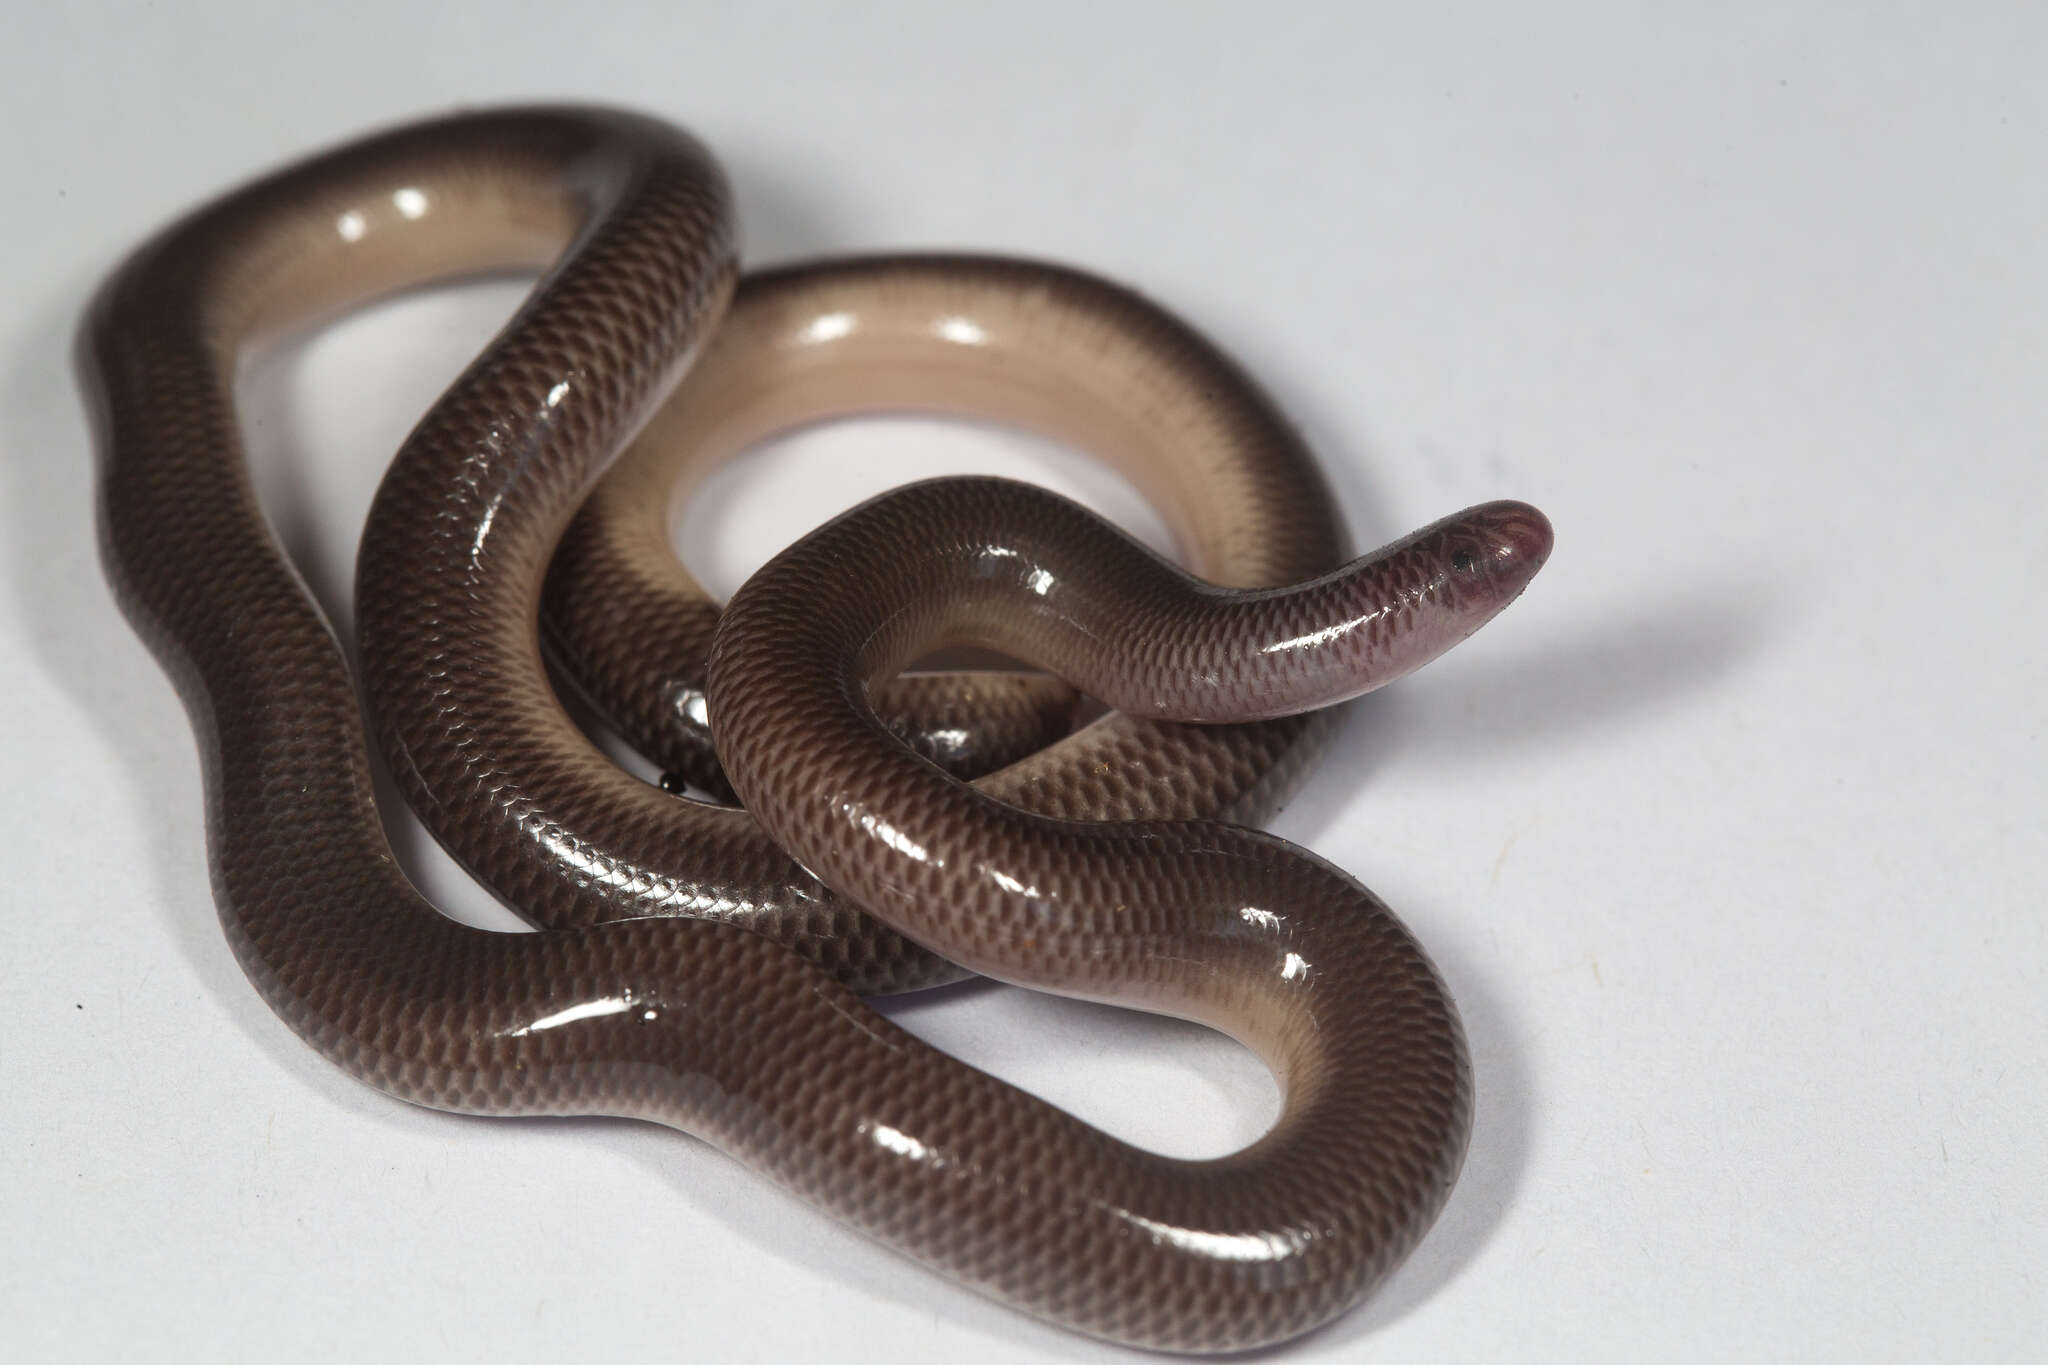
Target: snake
712, 999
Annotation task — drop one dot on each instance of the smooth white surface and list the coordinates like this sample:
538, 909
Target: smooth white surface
1729, 836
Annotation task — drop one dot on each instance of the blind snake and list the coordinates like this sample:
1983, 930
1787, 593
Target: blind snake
718, 991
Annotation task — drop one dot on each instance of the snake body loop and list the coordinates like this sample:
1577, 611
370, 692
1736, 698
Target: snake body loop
1034, 346
1219, 924
700, 1023
445, 583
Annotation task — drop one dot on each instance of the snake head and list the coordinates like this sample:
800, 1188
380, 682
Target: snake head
1487, 555
1456, 575
1388, 613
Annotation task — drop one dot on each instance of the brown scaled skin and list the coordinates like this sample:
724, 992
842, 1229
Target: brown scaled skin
1026, 344
445, 579
1222, 925
696, 1024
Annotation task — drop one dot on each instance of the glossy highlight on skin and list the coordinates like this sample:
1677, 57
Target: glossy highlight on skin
564, 836
1027, 344
1034, 346
758, 1045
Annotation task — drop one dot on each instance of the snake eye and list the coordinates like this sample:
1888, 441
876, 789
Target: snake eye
1464, 561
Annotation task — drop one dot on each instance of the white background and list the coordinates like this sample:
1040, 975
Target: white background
1729, 835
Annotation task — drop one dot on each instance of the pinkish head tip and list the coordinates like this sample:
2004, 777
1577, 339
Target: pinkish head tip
1498, 546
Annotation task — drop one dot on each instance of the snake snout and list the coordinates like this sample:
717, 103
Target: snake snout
1499, 546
